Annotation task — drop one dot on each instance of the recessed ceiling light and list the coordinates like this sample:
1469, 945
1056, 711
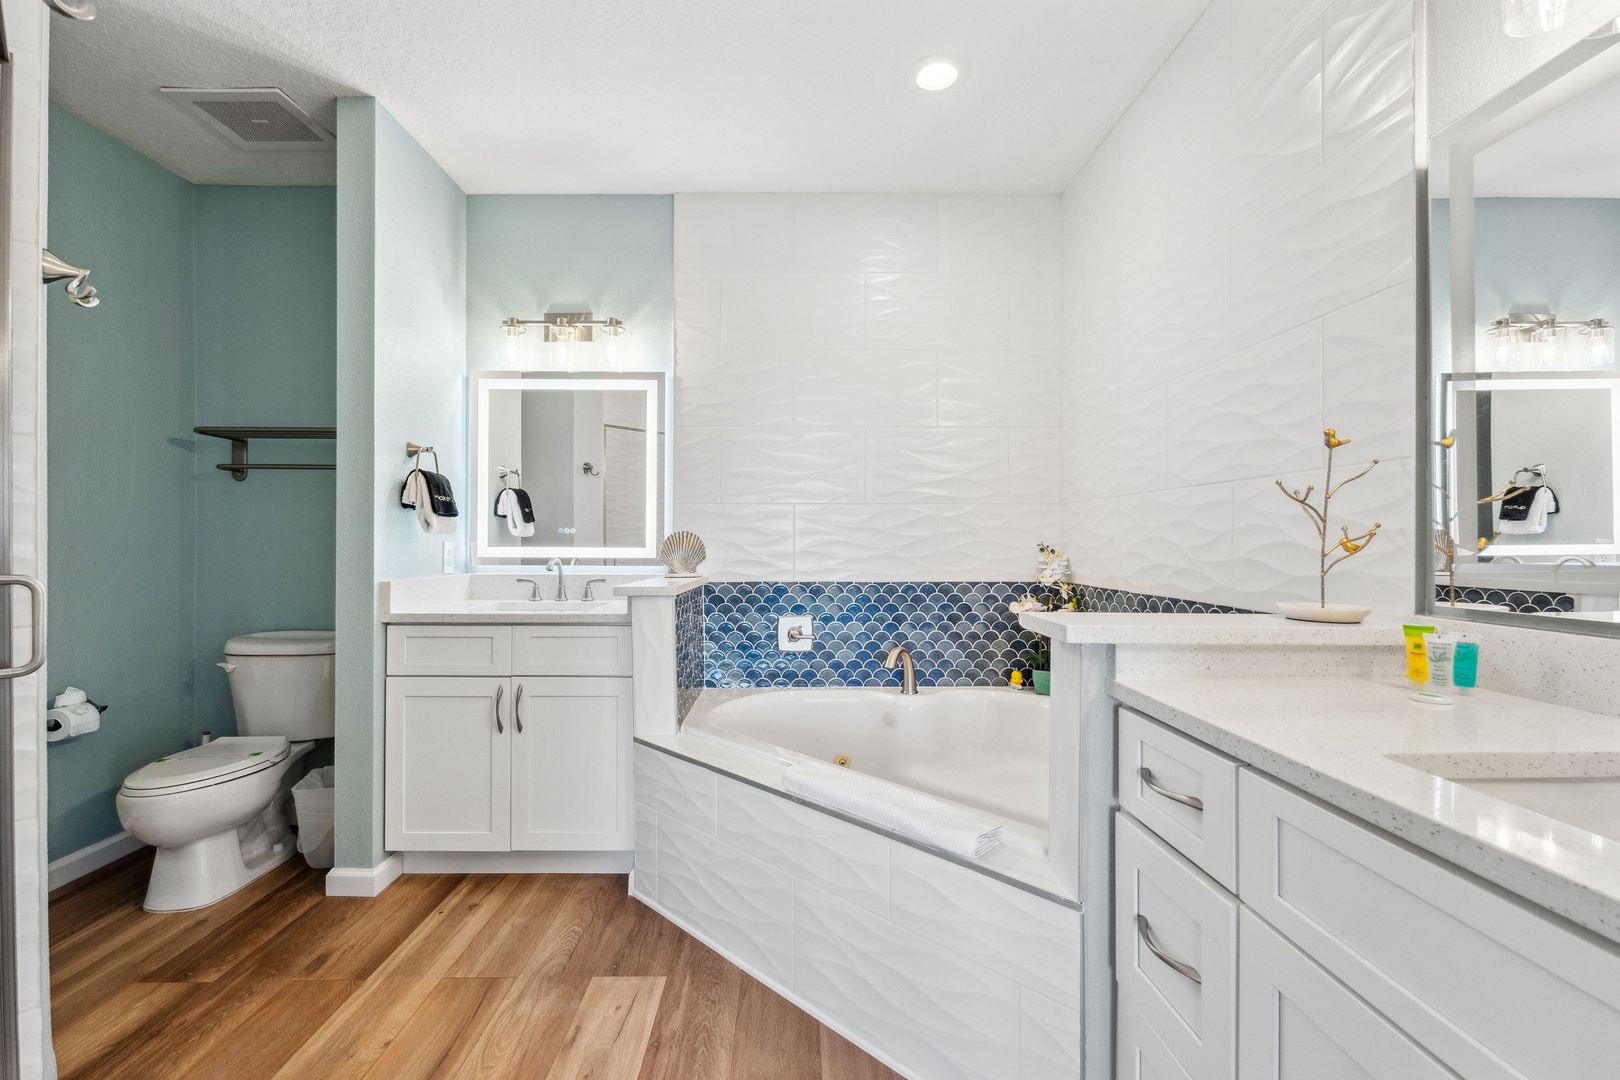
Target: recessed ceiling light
935, 73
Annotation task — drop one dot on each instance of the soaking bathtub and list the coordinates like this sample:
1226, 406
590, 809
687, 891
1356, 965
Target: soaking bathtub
941, 966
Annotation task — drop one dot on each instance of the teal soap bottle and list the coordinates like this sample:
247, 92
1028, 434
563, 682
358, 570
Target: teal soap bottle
1465, 666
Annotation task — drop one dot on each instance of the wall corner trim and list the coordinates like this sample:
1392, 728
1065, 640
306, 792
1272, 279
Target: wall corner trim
360, 881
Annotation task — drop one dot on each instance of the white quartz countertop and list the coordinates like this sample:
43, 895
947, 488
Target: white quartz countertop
1332, 738
661, 586
1132, 628
504, 598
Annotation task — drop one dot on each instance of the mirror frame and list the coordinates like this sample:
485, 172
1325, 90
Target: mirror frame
480, 383
1449, 153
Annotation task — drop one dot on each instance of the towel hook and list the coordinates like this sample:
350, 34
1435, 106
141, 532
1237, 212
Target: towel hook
507, 473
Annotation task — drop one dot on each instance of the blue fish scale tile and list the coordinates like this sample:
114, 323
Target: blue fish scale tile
1528, 603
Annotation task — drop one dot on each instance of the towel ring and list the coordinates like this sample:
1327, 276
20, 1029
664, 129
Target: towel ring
412, 450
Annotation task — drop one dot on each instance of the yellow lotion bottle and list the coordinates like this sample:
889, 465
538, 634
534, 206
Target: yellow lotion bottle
1417, 666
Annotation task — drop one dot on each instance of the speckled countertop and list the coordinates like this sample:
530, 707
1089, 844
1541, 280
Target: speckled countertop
1336, 739
1136, 628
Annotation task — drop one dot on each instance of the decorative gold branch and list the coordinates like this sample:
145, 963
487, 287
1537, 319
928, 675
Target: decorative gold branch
1347, 545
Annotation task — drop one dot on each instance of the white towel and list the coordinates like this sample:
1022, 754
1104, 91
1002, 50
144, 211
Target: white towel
506, 507
1535, 522
416, 494
898, 809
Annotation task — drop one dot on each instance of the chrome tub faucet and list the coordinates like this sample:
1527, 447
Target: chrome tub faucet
900, 657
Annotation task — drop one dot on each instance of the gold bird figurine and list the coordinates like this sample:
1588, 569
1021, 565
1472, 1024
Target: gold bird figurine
1332, 441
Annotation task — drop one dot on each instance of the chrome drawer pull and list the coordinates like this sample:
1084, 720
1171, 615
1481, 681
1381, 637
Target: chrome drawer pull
1174, 796
1146, 934
500, 728
517, 708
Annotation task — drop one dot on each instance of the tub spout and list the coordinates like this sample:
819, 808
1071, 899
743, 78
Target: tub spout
900, 657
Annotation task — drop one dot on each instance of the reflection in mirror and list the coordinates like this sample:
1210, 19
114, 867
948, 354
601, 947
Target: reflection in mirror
1525, 402
568, 465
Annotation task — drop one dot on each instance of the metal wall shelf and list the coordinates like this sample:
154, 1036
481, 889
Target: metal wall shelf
240, 436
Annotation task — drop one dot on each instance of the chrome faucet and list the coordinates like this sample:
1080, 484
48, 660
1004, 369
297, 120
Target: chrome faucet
562, 585
900, 657
534, 592
587, 596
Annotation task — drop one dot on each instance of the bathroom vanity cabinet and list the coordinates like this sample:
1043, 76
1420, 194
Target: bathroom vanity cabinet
1261, 934
508, 738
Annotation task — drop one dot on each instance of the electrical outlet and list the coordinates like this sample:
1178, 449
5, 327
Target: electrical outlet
449, 557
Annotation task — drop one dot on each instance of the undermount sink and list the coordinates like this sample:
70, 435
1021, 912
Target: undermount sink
1575, 787
612, 605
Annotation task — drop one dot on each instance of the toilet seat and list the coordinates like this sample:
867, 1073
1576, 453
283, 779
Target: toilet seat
213, 763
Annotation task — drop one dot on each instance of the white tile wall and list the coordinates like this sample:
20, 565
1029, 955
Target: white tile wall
1238, 260
861, 380
948, 973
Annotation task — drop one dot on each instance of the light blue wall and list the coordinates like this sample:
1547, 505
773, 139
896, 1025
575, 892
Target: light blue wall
266, 347
402, 358
120, 462
218, 309
613, 254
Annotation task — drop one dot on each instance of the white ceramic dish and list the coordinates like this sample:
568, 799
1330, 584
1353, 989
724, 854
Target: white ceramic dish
1333, 613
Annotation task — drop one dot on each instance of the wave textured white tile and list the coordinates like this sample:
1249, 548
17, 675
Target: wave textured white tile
937, 311
865, 233
734, 898
812, 311
848, 861
865, 543
674, 788
945, 1017
1367, 68
793, 466
1369, 391
1000, 389
996, 541
734, 233
708, 384
905, 465
844, 388
1049, 1039
745, 541
999, 234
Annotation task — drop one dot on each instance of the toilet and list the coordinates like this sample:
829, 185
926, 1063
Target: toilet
217, 812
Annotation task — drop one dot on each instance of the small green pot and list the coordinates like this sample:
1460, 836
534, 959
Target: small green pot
1043, 682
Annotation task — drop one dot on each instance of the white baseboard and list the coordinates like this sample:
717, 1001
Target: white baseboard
87, 859
360, 881
519, 862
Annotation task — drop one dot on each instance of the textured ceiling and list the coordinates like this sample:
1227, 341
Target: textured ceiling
641, 95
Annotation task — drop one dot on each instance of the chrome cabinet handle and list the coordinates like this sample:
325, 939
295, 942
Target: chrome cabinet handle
1145, 932
36, 655
517, 708
1174, 796
500, 728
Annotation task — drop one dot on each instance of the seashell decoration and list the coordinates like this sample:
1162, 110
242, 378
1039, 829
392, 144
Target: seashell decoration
683, 553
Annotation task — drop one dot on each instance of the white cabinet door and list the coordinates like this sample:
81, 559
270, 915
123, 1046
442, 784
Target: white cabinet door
571, 651
468, 650
448, 764
1297, 1022
1175, 950
571, 764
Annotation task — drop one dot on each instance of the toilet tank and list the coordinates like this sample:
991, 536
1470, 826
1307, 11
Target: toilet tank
281, 683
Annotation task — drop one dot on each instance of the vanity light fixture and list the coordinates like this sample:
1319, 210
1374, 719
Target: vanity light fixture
1540, 340
565, 326
1526, 18
932, 74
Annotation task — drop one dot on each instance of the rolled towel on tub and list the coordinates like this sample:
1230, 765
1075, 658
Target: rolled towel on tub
898, 809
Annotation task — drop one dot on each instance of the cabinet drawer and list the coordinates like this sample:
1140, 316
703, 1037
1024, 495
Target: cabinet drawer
1490, 985
571, 650
471, 649
1162, 902
1182, 790
1300, 1023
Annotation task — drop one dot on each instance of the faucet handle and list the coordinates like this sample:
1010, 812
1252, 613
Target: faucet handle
587, 596
534, 591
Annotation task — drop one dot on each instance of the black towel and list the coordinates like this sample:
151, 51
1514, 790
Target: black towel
1516, 507
444, 500
525, 507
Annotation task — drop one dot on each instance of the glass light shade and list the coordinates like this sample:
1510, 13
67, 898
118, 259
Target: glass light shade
1504, 350
1599, 344
1547, 347
1526, 18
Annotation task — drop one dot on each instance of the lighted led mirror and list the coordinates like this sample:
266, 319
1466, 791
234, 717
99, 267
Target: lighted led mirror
567, 465
1522, 400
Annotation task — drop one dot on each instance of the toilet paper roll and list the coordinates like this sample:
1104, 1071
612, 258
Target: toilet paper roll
71, 696
71, 722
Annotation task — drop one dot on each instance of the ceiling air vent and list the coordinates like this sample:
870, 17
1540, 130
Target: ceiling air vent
261, 118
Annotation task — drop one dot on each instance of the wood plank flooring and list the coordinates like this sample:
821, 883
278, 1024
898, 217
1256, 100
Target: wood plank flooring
452, 977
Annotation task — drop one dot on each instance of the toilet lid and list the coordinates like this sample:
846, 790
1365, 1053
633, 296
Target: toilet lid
202, 766
283, 643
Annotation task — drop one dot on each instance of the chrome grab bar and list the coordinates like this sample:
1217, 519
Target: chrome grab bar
517, 708
36, 657
1145, 932
1174, 796
500, 690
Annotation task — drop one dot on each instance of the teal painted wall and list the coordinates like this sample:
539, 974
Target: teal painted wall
219, 308
265, 280
120, 462
615, 254
402, 360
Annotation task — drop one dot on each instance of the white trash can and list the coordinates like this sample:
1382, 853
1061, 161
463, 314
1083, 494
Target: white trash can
312, 804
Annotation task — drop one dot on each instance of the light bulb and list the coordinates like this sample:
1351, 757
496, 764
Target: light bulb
1599, 343
932, 74
1504, 347
1549, 348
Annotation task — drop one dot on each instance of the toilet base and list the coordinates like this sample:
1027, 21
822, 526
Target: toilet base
203, 872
